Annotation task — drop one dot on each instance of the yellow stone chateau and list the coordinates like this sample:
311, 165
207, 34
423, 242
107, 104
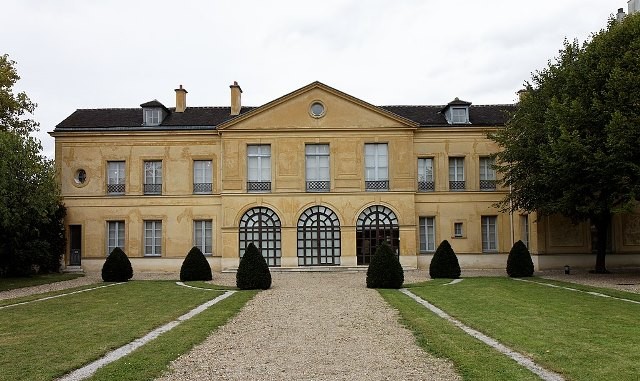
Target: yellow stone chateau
314, 178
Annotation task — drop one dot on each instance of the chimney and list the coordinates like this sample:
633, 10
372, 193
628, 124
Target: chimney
181, 99
620, 15
236, 94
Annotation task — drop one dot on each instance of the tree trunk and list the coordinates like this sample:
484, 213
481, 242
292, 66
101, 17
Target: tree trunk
602, 222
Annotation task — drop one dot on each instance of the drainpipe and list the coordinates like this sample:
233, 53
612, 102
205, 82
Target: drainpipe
511, 219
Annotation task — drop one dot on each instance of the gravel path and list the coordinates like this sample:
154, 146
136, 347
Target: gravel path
312, 326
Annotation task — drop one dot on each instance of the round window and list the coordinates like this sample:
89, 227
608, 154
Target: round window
317, 109
81, 176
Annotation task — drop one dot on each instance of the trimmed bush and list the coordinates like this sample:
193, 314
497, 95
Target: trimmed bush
195, 266
385, 270
519, 263
444, 263
253, 271
117, 267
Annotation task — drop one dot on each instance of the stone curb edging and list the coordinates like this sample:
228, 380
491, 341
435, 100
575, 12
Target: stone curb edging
89, 369
546, 375
576, 290
60, 295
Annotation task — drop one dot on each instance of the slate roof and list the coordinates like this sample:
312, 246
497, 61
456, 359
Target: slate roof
193, 118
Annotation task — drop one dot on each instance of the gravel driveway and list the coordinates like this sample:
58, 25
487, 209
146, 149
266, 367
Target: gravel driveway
312, 326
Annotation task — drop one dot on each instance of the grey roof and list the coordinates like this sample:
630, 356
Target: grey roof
211, 117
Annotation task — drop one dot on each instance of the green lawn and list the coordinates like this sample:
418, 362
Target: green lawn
581, 336
46, 339
36, 280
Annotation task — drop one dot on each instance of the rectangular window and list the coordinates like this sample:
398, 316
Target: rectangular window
115, 235
487, 174
115, 177
524, 223
152, 117
489, 234
459, 115
457, 230
202, 176
456, 173
427, 234
317, 167
425, 175
153, 177
376, 161
153, 238
259, 168
202, 234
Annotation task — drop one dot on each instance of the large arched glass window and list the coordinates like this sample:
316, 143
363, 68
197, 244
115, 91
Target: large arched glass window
262, 227
376, 224
318, 237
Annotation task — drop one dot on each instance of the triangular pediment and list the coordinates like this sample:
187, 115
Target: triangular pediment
338, 111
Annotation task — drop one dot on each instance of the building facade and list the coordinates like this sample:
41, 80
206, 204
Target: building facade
314, 178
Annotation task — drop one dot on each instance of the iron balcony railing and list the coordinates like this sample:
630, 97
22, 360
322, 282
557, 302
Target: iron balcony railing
258, 186
152, 188
426, 186
318, 186
378, 185
202, 188
487, 184
456, 185
115, 188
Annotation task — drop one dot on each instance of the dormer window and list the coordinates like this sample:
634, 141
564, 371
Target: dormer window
152, 116
457, 112
153, 113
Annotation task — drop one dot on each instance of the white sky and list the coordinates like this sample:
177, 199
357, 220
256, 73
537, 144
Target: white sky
121, 53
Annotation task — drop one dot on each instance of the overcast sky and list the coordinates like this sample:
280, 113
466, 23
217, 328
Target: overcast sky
121, 53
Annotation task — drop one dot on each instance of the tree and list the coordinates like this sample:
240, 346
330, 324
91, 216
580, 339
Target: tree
13, 107
385, 270
571, 147
253, 270
195, 266
31, 212
519, 263
444, 263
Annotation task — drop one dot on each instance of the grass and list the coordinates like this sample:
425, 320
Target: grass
45, 340
36, 280
581, 336
150, 361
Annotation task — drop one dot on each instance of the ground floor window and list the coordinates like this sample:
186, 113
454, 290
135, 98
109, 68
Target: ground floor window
261, 226
489, 234
115, 235
202, 236
427, 234
524, 223
376, 224
153, 238
318, 237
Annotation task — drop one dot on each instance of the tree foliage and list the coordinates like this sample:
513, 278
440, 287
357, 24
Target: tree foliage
385, 270
444, 263
571, 147
31, 214
253, 270
519, 263
195, 266
14, 107
117, 267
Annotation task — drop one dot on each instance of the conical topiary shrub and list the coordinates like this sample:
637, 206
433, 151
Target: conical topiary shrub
385, 270
253, 271
519, 263
195, 266
117, 267
444, 263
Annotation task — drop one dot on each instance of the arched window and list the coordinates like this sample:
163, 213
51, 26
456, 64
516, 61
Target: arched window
318, 237
376, 224
262, 227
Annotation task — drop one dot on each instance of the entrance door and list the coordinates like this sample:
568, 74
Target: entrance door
75, 245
